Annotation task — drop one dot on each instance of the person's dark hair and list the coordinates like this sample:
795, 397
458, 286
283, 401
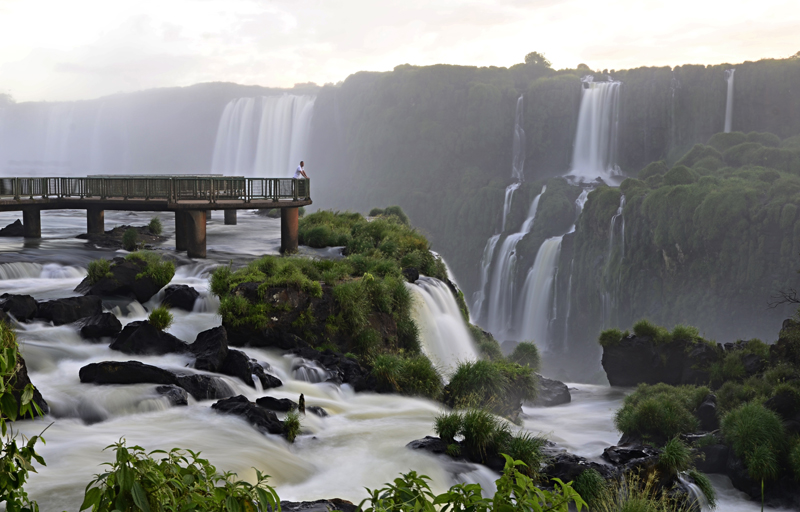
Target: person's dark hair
301, 162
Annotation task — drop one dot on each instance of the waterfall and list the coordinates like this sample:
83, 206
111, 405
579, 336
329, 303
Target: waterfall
501, 285
594, 154
729, 100
616, 216
537, 312
486, 265
507, 202
579, 204
518, 146
445, 338
610, 295
265, 136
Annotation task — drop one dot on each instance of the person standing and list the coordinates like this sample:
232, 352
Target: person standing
300, 172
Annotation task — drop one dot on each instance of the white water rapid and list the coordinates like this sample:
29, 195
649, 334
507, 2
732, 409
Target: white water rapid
729, 100
594, 154
445, 338
265, 137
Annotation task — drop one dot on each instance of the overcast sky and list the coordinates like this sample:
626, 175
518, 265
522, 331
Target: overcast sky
79, 49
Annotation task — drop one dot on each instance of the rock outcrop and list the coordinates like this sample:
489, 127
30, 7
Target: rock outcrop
127, 279
551, 392
71, 309
180, 296
104, 325
22, 307
142, 338
14, 229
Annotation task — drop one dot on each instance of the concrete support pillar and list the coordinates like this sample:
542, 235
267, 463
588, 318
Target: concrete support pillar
230, 217
95, 221
196, 234
208, 214
31, 223
290, 223
181, 231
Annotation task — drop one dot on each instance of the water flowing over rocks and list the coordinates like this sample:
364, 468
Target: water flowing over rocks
319, 506
103, 325
126, 280
65, 311
262, 419
180, 296
210, 349
22, 307
141, 337
276, 404
238, 364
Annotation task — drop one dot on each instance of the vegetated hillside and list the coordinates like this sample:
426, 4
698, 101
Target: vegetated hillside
437, 140
707, 242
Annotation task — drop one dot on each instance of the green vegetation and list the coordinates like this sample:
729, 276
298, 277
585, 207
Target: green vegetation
757, 436
178, 480
389, 211
130, 239
660, 412
498, 386
702, 481
156, 268
487, 345
291, 425
638, 493
676, 457
611, 337
160, 318
98, 269
413, 375
591, 486
526, 354
155, 226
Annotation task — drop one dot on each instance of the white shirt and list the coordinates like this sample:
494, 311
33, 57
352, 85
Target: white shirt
298, 173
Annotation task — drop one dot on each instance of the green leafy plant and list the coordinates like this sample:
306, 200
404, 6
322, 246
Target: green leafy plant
156, 268
526, 354
155, 226
179, 480
675, 458
160, 318
98, 269
414, 375
130, 239
495, 385
590, 485
660, 412
291, 425
705, 486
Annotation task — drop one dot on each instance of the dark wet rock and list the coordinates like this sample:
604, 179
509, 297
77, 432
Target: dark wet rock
14, 229
276, 404
21, 307
127, 280
177, 396
568, 467
707, 413
697, 364
180, 296
411, 274
21, 382
551, 392
630, 455
713, 459
205, 387
104, 325
343, 370
316, 411
210, 349
125, 372
112, 239
319, 506
142, 338
430, 444
66, 311
238, 364
260, 418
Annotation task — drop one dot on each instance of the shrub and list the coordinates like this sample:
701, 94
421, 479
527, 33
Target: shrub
660, 412
675, 458
179, 480
611, 337
398, 213
644, 328
160, 271
155, 226
376, 212
160, 318
448, 425
705, 486
590, 485
495, 385
414, 375
291, 425
769, 140
526, 354
487, 345
653, 169
680, 175
757, 436
130, 239
685, 333
483, 432
98, 269
794, 460
723, 141
527, 448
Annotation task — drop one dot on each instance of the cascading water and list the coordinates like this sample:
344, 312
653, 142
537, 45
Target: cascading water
594, 155
501, 285
616, 216
486, 266
579, 204
509, 197
445, 338
518, 146
265, 136
537, 294
729, 100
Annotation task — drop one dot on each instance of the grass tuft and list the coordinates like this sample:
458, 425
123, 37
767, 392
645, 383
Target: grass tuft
130, 239
99, 269
526, 354
155, 226
160, 318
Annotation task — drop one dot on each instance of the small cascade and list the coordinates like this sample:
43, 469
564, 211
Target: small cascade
27, 270
537, 295
518, 146
501, 285
507, 202
695, 493
486, 265
309, 371
445, 338
616, 216
594, 154
265, 136
729, 100
580, 202
609, 296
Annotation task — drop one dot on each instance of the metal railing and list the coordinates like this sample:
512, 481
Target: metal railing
171, 188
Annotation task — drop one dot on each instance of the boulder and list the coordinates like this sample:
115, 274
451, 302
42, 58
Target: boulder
126, 372
127, 280
551, 392
142, 338
429, 444
411, 274
631, 455
14, 229
319, 506
635, 360
180, 296
104, 325
176, 395
753, 364
343, 369
21, 307
260, 418
210, 349
21, 382
66, 311
316, 411
238, 364
276, 404
697, 364
707, 413
568, 467
205, 387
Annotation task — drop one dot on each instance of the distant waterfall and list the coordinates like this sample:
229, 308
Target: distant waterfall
518, 146
610, 295
501, 284
509, 197
265, 136
729, 100
613, 226
579, 204
445, 338
537, 295
594, 154
486, 266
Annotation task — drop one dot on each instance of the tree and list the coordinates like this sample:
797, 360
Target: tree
537, 59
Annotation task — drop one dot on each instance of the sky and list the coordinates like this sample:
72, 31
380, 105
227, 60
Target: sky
82, 49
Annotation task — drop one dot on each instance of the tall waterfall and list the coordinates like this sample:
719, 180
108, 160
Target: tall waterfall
518, 146
445, 338
265, 136
613, 226
594, 154
537, 296
486, 266
509, 197
501, 284
729, 100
